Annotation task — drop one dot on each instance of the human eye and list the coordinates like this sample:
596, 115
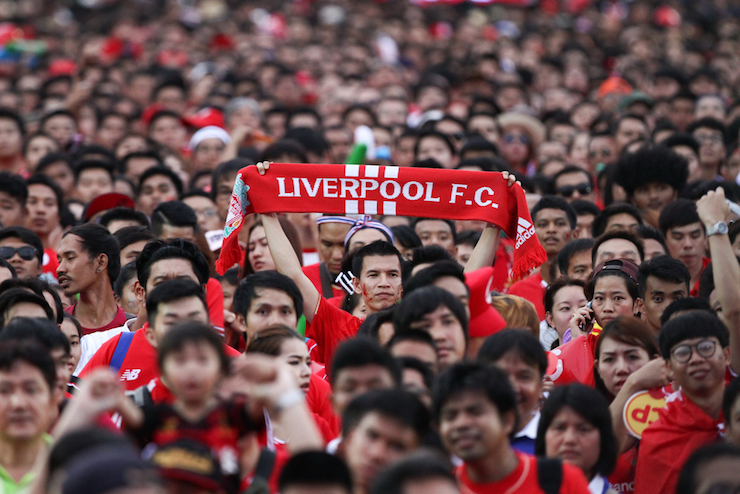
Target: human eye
607, 359
658, 300
598, 298
565, 308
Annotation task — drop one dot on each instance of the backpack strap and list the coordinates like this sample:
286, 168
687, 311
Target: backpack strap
121, 350
549, 474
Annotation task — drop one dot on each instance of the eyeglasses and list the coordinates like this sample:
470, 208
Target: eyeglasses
567, 191
511, 138
26, 252
705, 348
713, 139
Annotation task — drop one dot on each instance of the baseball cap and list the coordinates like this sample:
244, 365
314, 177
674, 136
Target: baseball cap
104, 202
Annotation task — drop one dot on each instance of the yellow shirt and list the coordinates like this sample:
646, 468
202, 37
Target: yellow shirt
8, 485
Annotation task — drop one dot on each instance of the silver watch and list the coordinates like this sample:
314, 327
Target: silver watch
719, 228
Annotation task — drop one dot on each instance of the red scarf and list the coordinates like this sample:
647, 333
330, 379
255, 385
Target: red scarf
390, 190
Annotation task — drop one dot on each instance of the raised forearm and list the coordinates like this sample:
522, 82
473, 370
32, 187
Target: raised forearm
485, 250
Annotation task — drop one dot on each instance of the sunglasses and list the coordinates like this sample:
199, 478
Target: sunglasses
512, 138
567, 191
27, 253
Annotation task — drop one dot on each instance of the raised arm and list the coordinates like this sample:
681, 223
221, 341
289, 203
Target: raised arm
713, 208
285, 258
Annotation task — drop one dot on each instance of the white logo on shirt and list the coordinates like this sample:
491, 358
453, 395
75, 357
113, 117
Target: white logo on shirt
130, 374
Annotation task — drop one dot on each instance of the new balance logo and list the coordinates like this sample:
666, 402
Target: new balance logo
130, 374
524, 230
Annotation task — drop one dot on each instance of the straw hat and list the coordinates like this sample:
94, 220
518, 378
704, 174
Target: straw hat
532, 125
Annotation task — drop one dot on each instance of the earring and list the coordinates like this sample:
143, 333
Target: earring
98, 270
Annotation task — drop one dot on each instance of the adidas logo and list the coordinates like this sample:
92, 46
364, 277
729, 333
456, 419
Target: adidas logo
524, 230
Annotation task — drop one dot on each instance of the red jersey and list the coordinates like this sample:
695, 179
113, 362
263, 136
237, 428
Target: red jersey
50, 263
623, 477
682, 427
139, 366
695, 289
117, 321
313, 272
319, 401
502, 264
330, 326
574, 361
523, 480
532, 288
215, 301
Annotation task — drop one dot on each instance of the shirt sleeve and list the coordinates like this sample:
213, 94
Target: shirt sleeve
574, 482
330, 325
102, 357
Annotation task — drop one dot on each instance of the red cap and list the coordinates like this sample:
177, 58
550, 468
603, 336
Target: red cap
614, 84
105, 202
484, 319
204, 118
63, 66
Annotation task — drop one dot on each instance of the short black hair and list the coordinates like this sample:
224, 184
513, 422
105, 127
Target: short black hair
171, 290
687, 478
414, 363
468, 237
8, 114
571, 249
39, 179
450, 223
630, 283
682, 139
15, 296
648, 232
427, 276
396, 404
593, 407
524, 344
311, 139
686, 304
555, 202
556, 286
370, 327
173, 213
412, 335
429, 254
246, 290
377, 248
14, 186
96, 240
678, 213
52, 159
188, 332
225, 169
132, 234
665, 268
438, 135
599, 226
479, 378
123, 163
160, 170
649, 164
315, 468
283, 147
13, 351
27, 237
361, 352
158, 250
93, 164
624, 235
42, 332
123, 214
568, 170
707, 122
696, 324
128, 272
406, 236
418, 467
425, 300
583, 207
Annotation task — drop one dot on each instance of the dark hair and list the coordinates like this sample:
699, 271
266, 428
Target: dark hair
158, 250
523, 344
406, 236
42, 332
678, 213
283, 147
426, 300
160, 170
290, 231
246, 290
361, 352
14, 186
571, 249
127, 274
395, 404
416, 335
686, 304
96, 240
583, 207
687, 478
600, 222
418, 467
427, 276
651, 163
696, 324
161, 113
450, 223
645, 232
28, 351
311, 140
468, 237
555, 202
479, 378
75, 322
171, 290
706, 122
39, 179
8, 114
173, 213
625, 235
224, 169
378, 248
15, 296
315, 468
123, 163
592, 406
556, 286
414, 363
438, 135
27, 237
124, 214
191, 332
682, 139
630, 283
76, 442
46, 287
568, 170
52, 159
270, 340
370, 327
131, 234
93, 164
665, 268
429, 254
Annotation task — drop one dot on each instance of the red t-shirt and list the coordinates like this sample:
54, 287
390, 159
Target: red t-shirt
623, 476
319, 401
50, 263
682, 427
139, 366
215, 301
523, 480
117, 321
330, 326
313, 271
695, 290
574, 361
532, 288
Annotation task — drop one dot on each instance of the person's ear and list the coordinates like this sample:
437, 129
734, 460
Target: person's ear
509, 421
149, 334
639, 306
139, 291
101, 262
356, 284
548, 319
574, 233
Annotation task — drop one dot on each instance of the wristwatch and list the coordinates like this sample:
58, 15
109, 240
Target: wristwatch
719, 228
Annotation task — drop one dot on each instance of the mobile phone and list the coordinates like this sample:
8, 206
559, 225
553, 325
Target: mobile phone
589, 318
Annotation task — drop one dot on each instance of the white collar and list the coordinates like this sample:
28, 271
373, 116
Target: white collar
597, 485
530, 430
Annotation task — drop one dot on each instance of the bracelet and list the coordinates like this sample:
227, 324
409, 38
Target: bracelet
288, 399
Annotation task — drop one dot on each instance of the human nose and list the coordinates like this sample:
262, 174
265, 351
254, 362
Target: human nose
621, 365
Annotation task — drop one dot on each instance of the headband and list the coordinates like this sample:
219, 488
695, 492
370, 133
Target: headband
335, 219
367, 222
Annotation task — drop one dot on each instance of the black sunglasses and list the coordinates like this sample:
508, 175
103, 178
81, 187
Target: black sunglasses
568, 190
27, 253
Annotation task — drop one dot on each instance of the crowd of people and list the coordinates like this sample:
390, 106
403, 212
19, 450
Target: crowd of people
366, 353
